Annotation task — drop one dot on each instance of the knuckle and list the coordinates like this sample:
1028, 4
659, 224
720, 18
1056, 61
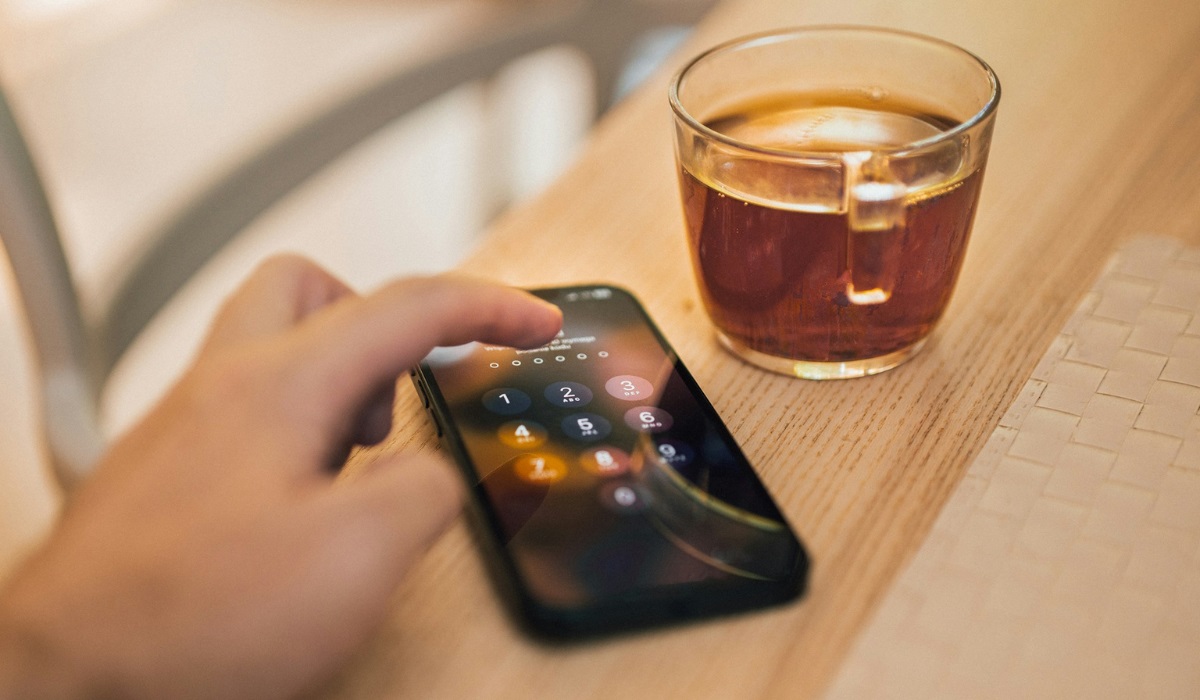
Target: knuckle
284, 263
228, 379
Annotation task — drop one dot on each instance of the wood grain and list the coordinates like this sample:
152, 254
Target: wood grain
1097, 139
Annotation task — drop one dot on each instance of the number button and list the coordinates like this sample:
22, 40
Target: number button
628, 387
605, 460
568, 394
623, 497
540, 469
506, 401
648, 419
586, 427
522, 434
673, 453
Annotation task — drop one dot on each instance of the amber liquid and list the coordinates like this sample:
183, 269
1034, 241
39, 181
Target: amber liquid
774, 276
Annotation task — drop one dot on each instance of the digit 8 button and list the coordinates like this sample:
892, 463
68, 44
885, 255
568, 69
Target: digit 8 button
605, 460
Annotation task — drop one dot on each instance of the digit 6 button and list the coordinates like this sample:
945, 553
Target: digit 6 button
649, 419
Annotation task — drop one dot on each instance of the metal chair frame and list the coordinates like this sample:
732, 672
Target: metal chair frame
75, 356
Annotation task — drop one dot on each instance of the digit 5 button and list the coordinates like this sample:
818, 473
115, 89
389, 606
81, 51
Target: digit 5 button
587, 427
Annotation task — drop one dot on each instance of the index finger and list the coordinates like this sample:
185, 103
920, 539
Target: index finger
347, 350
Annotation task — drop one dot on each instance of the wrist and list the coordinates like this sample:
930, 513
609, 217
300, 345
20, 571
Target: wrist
31, 666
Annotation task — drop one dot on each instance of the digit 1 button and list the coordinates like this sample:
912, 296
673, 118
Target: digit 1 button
506, 401
568, 394
605, 460
628, 387
587, 427
540, 469
648, 419
522, 434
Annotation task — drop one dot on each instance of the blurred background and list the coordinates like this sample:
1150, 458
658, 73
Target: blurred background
131, 109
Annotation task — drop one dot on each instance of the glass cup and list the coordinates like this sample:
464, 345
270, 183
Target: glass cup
829, 179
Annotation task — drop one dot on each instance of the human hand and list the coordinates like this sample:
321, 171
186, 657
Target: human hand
212, 554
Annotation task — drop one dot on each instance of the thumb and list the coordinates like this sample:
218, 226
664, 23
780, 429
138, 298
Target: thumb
409, 500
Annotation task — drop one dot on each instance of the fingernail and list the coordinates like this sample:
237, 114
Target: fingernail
552, 308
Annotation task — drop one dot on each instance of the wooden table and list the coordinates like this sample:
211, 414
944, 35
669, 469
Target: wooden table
1097, 139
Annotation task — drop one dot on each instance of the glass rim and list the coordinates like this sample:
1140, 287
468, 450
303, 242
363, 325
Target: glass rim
774, 35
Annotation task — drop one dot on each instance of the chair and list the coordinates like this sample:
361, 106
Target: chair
76, 355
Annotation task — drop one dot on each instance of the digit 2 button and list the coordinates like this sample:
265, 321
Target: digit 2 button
568, 394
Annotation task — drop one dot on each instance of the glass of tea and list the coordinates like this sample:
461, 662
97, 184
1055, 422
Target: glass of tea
829, 179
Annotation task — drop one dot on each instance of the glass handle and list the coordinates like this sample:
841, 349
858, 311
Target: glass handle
875, 212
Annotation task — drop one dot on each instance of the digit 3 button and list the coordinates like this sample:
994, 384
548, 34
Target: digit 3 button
568, 394
605, 460
540, 469
522, 434
587, 427
648, 419
628, 387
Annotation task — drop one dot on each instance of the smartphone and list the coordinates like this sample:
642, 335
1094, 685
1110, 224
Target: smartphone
609, 493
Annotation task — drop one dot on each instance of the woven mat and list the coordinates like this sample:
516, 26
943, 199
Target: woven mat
1067, 562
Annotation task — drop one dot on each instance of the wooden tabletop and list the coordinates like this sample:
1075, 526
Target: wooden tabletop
1097, 140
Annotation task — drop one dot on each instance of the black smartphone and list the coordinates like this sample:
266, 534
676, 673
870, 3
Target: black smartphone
610, 493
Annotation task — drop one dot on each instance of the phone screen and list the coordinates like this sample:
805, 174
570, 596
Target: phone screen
605, 475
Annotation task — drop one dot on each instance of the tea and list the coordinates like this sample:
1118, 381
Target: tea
773, 248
